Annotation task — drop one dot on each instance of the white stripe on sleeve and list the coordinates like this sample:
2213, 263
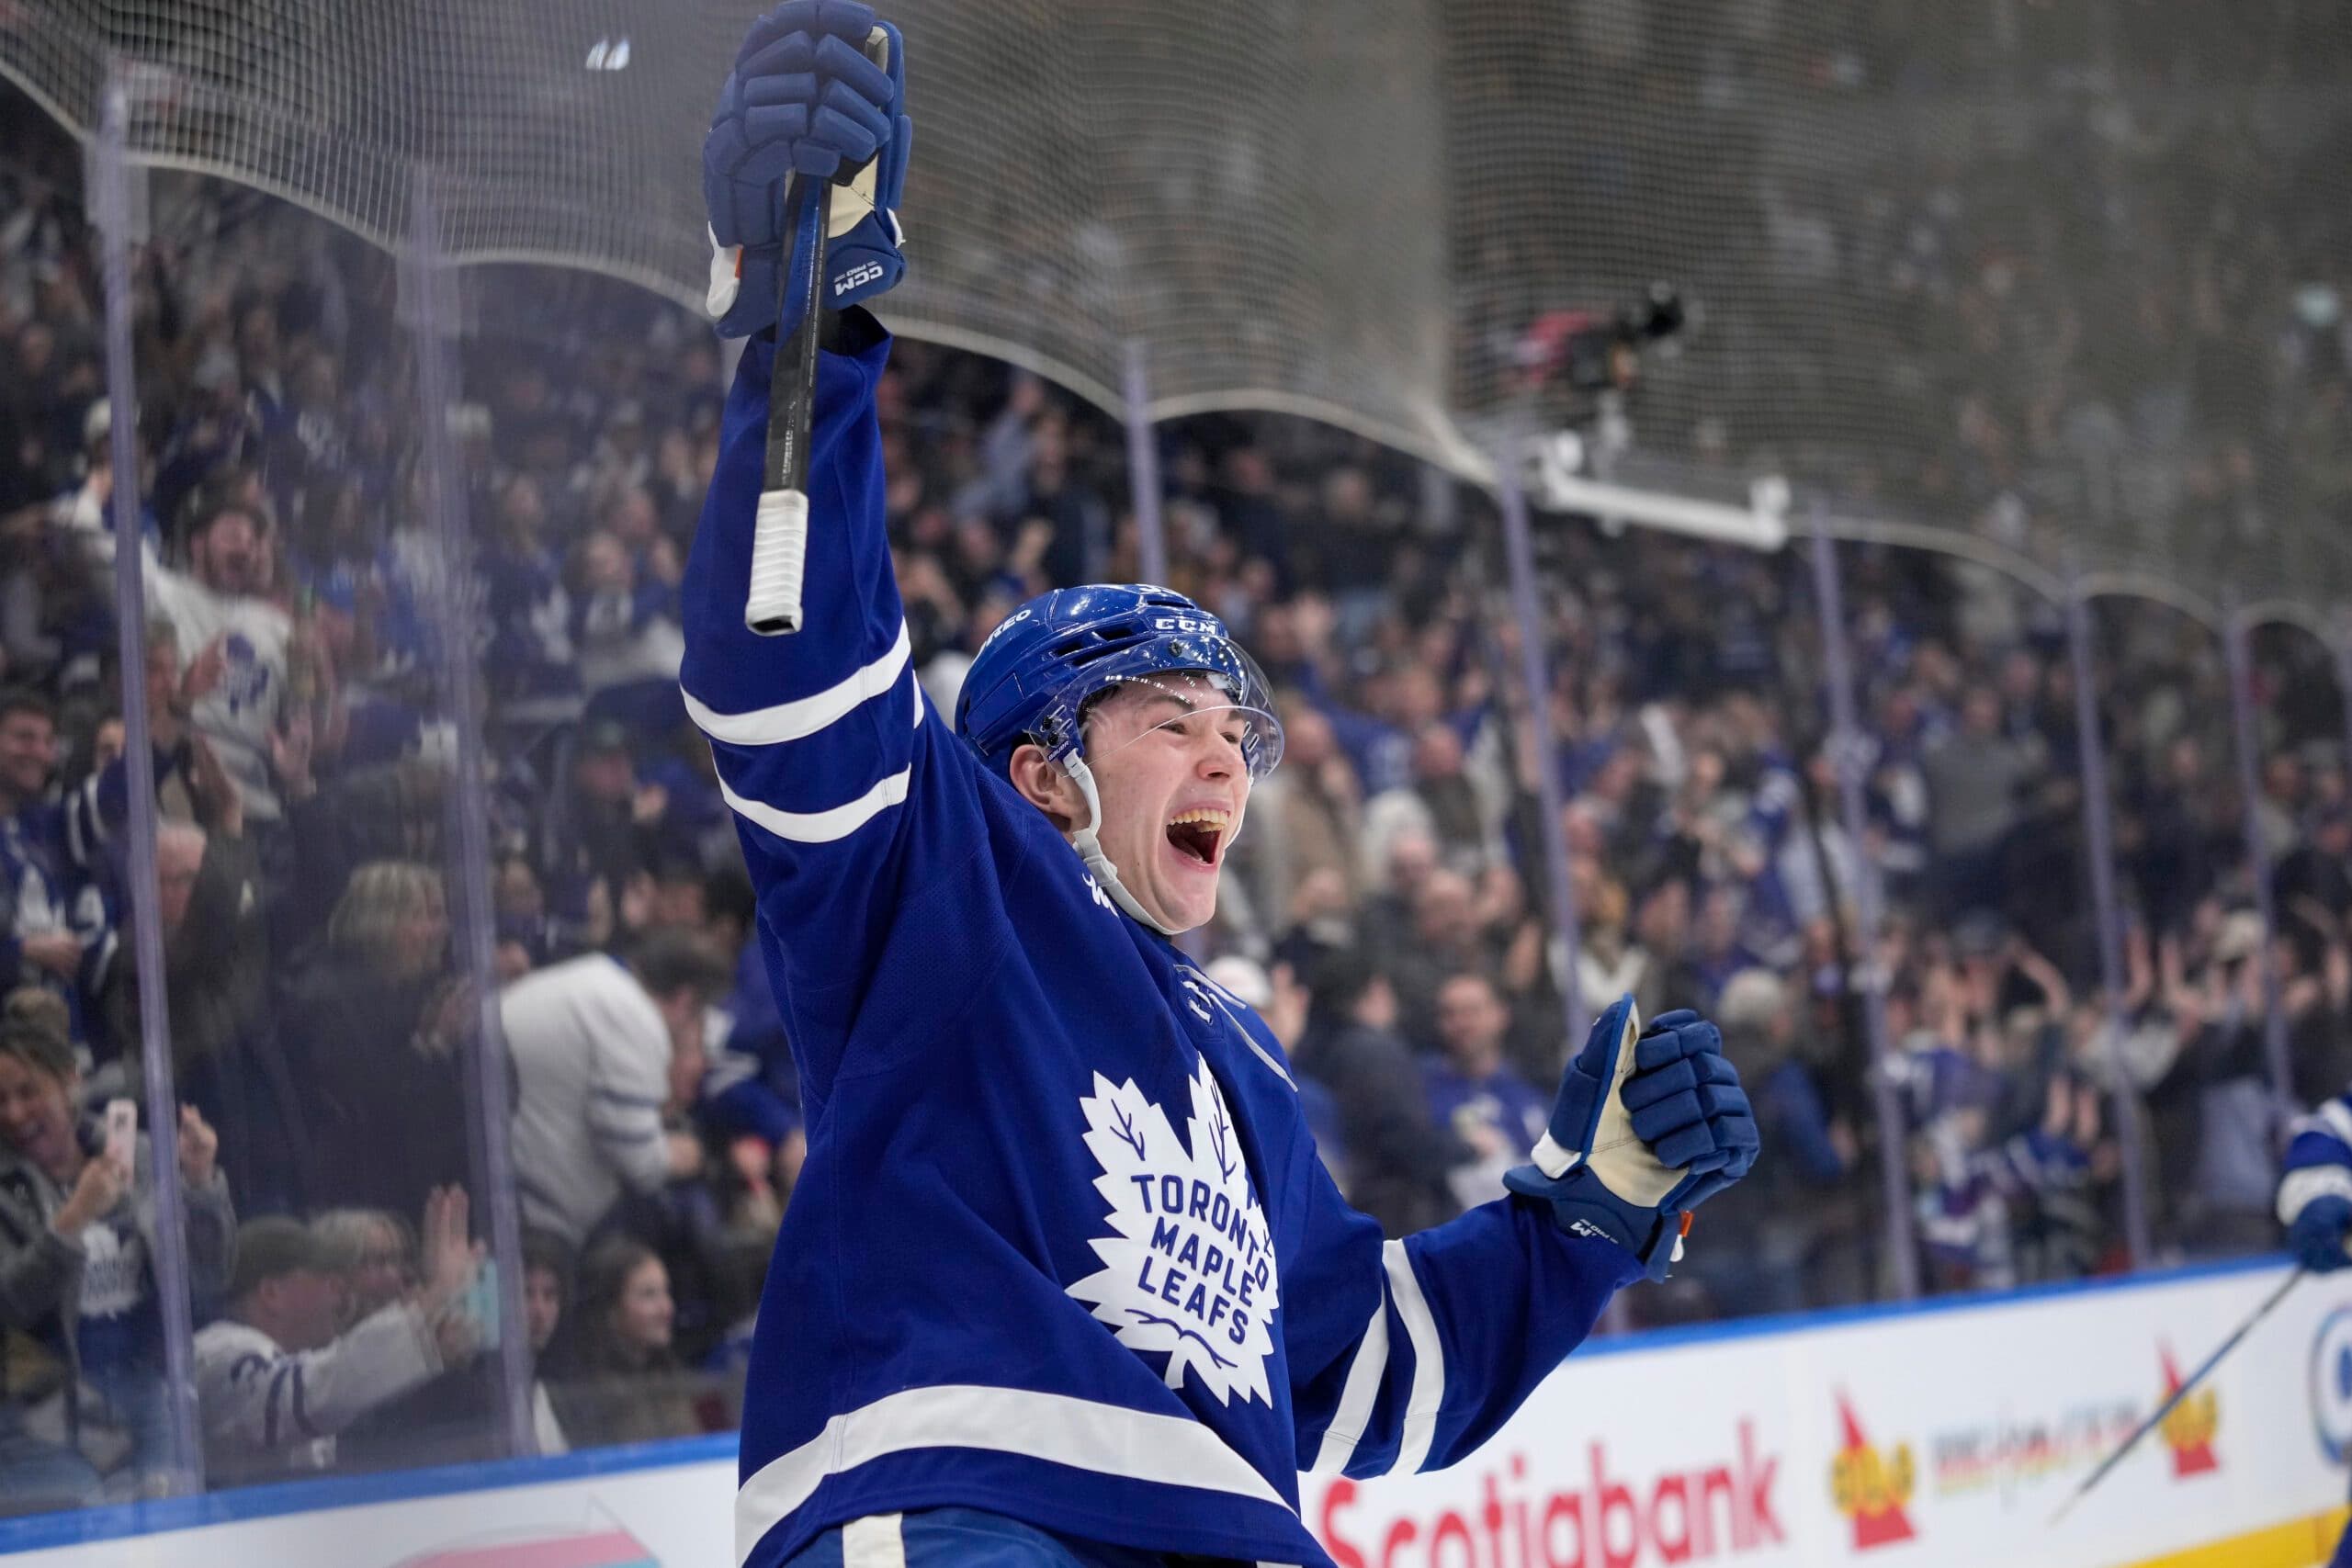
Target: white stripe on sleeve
1429, 1360
803, 716
1356, 1394
2299, 1187
823, 826
2335, 1121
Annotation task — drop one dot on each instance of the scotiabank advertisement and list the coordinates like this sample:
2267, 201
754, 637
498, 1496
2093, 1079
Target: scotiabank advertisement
1682, 1456
1943, 1438
1940, 1439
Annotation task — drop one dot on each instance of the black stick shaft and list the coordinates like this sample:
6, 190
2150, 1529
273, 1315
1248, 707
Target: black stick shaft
2188, 1385
792, 394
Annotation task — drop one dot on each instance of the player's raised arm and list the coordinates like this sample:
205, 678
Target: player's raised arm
814, 97
819, 735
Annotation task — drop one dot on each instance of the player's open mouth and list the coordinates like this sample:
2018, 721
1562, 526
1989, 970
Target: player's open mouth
1197, 835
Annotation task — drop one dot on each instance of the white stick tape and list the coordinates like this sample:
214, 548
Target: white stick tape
779, 551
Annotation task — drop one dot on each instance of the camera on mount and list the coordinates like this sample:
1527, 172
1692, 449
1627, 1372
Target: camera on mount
1586, 353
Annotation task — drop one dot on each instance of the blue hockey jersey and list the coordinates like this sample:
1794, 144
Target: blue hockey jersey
2319, 1158
1062, 1249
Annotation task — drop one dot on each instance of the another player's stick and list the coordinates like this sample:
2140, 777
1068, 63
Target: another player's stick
2188, 1383
780, 529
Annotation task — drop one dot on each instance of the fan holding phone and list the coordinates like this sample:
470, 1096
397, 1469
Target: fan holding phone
77, 1234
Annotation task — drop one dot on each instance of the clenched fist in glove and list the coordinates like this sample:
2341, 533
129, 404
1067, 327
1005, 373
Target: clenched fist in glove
817, 92
1650, 1123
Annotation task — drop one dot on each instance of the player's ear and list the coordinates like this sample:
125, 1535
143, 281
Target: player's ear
1042, 785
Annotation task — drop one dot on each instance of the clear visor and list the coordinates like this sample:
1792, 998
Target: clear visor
1189, 705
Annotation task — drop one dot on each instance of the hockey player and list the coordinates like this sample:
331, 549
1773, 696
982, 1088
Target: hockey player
1063, 1282
2315, 1205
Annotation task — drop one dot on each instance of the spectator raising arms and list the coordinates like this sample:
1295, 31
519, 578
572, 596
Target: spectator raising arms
221, 609
279, 1376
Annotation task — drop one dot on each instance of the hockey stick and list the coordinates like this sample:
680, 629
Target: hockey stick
780, 528
2188, 1384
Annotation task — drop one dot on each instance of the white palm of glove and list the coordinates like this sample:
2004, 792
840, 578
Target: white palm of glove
1619, 1159
1649, 1124
853, 204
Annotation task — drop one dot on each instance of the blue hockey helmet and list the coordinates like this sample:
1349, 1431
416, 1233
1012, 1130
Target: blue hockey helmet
1038, 670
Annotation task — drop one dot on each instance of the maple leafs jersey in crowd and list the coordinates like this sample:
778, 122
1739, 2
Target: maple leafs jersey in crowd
1062, 1249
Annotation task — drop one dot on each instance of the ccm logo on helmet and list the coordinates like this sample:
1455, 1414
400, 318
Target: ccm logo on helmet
1181, 624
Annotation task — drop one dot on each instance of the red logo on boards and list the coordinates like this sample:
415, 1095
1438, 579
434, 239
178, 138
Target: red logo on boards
1871, 1487
2188, 1431
1593, 1515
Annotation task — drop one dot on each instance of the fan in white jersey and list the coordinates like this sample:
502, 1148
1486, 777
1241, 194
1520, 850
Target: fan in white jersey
219, 611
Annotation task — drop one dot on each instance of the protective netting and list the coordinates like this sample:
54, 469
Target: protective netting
1252, 194
563, 132
2067, 278
2066, 284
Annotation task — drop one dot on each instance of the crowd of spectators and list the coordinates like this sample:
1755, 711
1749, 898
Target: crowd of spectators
1389, 910
324, 1024
2065, 275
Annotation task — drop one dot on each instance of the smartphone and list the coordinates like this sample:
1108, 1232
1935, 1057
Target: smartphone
479, 1304
122, 1133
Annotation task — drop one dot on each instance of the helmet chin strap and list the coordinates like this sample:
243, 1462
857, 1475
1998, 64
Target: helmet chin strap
1090, 847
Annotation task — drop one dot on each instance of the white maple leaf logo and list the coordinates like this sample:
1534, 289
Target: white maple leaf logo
1190, 1272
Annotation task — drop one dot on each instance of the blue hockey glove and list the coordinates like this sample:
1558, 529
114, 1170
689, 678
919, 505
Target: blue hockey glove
805, 99
1650, 1123
2317, 1236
